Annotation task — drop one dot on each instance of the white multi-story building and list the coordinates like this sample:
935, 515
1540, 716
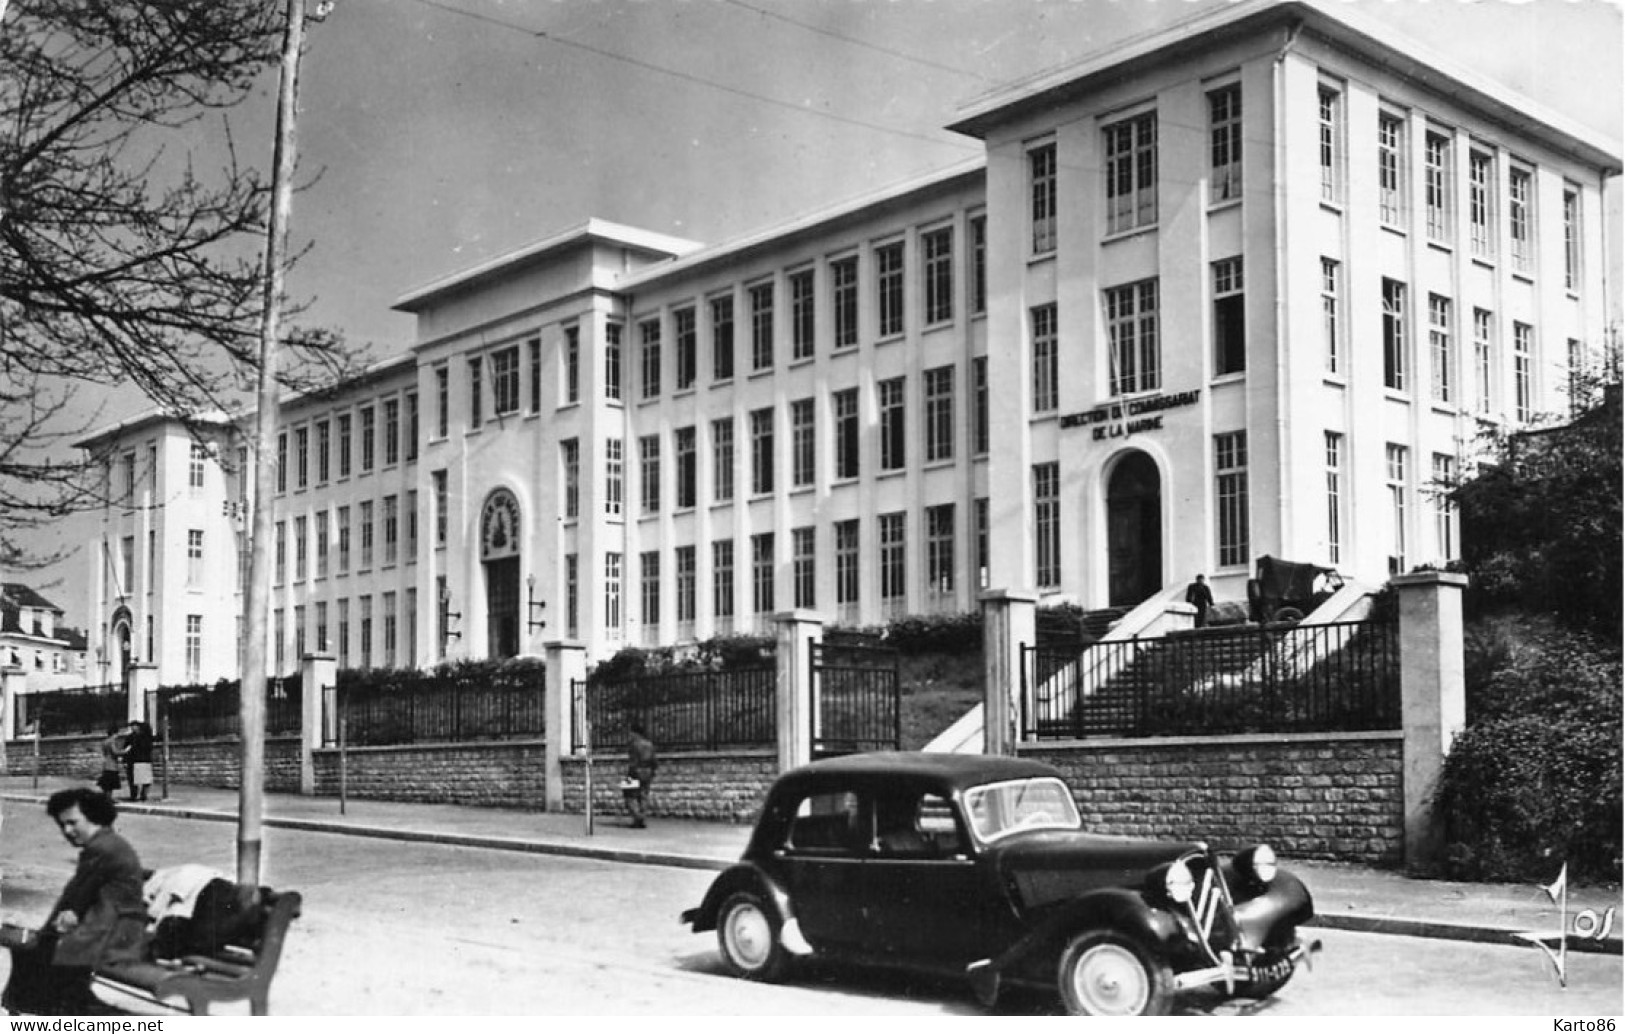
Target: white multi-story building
1253, 287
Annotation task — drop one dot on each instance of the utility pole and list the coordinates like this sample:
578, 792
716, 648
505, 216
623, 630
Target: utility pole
256, 605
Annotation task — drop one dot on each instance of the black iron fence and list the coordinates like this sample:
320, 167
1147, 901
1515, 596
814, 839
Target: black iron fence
213, 712
437, 707
82, 711
699, 710
1341, 677
857, 699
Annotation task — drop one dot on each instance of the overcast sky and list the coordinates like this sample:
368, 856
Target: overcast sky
447, 132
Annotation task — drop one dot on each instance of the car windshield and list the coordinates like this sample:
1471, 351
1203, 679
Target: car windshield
999, 809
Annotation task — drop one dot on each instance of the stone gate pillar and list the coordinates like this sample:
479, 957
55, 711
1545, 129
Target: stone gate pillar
798, 632
566, 665
1009, 622
1433, 698
318, 672
143, 680
12, 681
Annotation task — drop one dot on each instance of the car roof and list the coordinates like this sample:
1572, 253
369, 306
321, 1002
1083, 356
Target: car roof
944, 772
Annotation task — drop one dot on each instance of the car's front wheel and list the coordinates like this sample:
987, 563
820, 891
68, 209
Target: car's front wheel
748, 936
1102, 973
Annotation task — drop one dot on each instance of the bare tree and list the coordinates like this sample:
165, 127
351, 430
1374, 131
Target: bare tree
131, 237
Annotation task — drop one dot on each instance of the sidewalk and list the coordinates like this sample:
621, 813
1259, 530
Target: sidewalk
1347, 897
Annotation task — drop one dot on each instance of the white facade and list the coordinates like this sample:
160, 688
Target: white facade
1218, 296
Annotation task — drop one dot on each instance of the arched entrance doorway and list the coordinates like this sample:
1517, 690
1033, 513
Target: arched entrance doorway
499, 553
1134, 529
120, 647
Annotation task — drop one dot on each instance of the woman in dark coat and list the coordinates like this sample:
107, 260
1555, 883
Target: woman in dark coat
100, 917
138, 760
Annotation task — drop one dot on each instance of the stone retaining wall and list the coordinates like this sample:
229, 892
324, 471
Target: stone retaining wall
726, 787
506, 774
215, 762
1330, 796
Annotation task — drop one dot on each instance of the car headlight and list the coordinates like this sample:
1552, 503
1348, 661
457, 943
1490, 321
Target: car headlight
1179, 883
1259, 861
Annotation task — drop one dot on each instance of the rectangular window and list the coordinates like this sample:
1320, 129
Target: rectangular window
722, 460
194, 556
570, 469
301, 457
1041, 172
391, 629
1230, 492
761, 573
893, 424
194, 648
344, 446
1521, 219
649, 332
889, 288
392, 528
722, 339
322, 540
649, 472
1483, 361
1136, 351
939, 414
846, 568
1481, 204
324, 450
614, 476
937, 247
1331, 145
1331, 316
1335, 517
893, 564
1444, 508
476, 392
761, 451
1229, 318
366, 631
978, 368
1224, 143
803, 432
1439, 186
1571, 238
687, 469
1047, 524
321, 627
687, 347
412, 527
804, 561
128, 491
978, 264
199, 456
392, 430
1523, 388
366, 535
343, 531
843, 280
761, 326
1397, 497
846, 434
572, 596
570, 356
1131, 173
126, 568
369, 437
505, 381
1442, 347
1391, 169
298, 633
301, 548
687, 597
441, 501
984, 544
1394, 344
411, 425
442, 406
411, 622
722, 581
533, 350
802, 316
939, 550
612, 362
649, 595
281, 554
1046, 360
612, 595
344, 633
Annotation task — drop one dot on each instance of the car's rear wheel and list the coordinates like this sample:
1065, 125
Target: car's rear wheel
1105, 974
748, 936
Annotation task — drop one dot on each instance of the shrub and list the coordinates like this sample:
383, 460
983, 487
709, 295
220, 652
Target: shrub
1534, 780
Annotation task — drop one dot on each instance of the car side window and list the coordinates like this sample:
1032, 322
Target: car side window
919, 827
829, 824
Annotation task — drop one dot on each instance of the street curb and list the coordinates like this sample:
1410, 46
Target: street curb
1395, 926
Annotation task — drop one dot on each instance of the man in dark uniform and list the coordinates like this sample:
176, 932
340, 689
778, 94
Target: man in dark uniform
1198, 595
640, 769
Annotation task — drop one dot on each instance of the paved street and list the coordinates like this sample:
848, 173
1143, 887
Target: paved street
426, 929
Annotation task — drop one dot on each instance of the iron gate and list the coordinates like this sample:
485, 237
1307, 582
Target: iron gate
856, 699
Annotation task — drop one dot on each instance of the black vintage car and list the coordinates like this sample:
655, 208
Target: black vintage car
981, 866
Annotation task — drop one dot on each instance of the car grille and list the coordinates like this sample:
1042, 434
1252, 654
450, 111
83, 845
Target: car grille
1210, 905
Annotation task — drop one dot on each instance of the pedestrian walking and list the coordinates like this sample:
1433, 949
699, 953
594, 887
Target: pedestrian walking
113, 748
138, 760
640, 773
1198, 595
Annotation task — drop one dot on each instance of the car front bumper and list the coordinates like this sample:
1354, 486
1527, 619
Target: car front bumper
1230, 971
